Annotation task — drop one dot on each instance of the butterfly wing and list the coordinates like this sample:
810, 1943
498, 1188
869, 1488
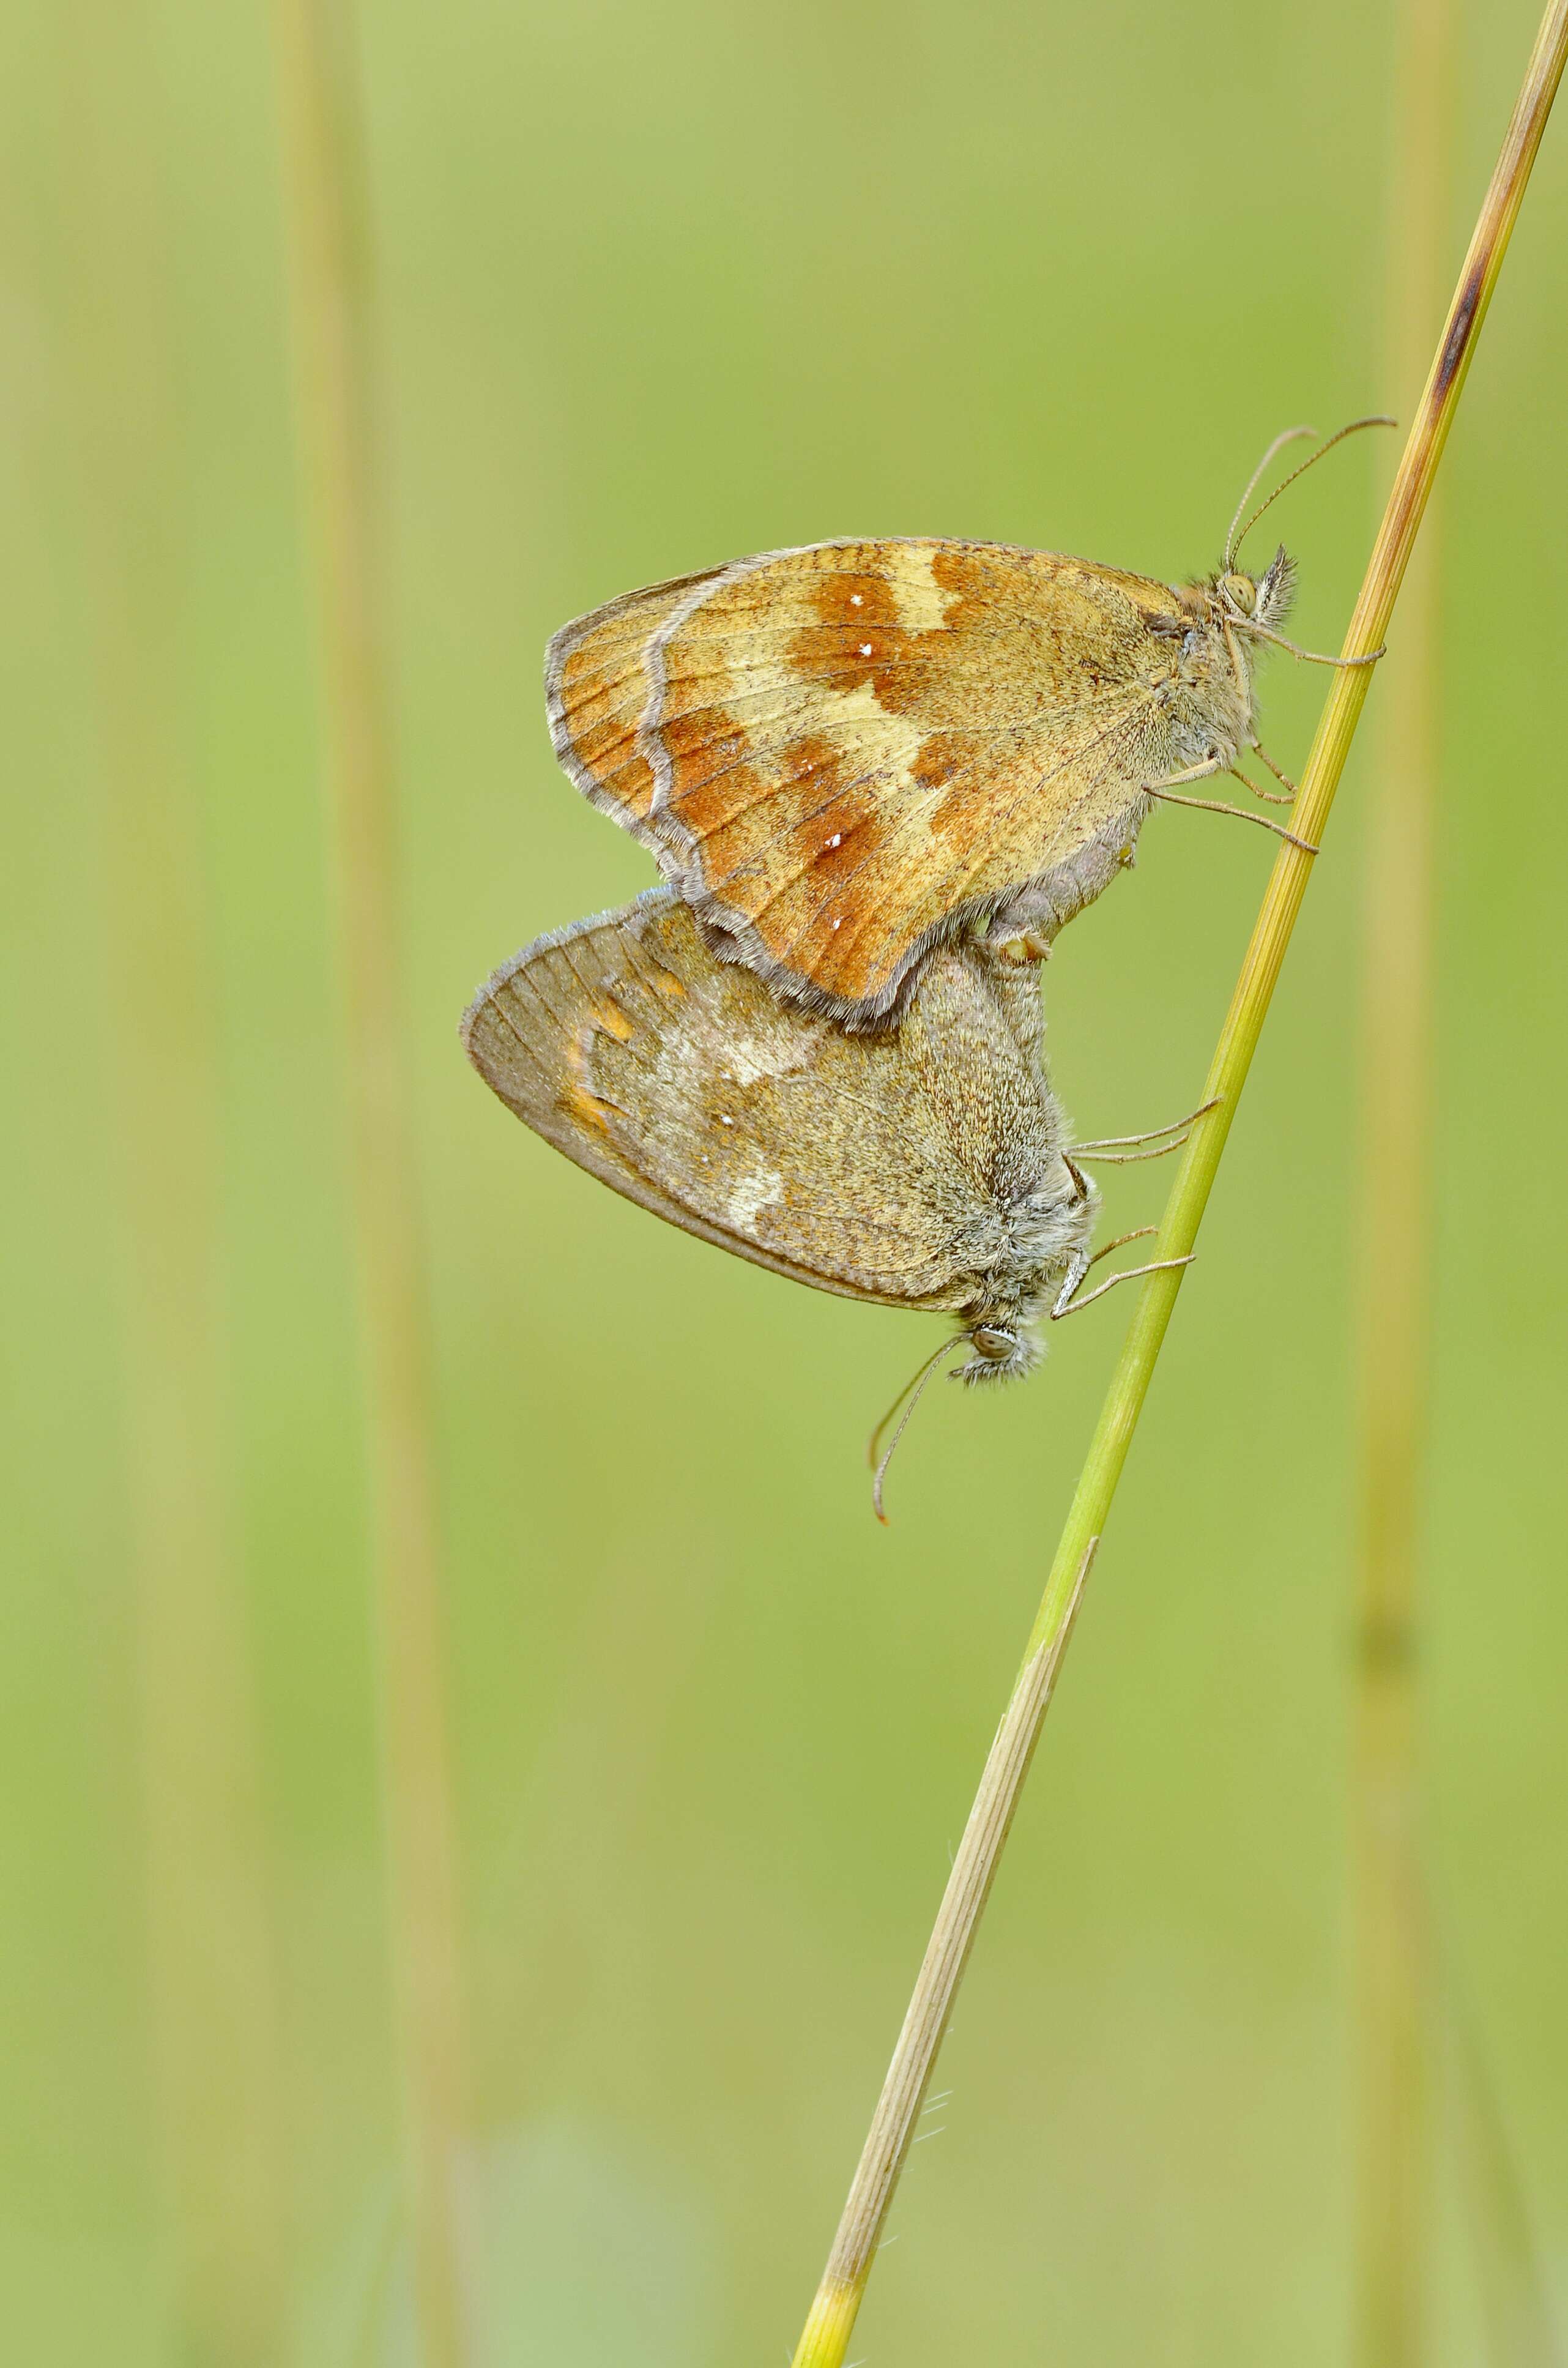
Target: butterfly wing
848, 751
682, 1082
595, 688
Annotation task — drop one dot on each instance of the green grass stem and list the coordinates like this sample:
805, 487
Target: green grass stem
830, 2320
331, 299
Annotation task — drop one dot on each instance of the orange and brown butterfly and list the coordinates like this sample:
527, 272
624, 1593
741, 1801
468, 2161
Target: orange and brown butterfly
844, 755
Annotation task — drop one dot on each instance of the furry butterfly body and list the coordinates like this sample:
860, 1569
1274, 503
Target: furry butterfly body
846, 755
918, 1168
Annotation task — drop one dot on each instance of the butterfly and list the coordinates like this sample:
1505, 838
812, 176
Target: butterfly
844, 755
926, 1167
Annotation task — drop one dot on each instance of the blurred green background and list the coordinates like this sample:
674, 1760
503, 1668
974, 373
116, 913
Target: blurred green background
657, 287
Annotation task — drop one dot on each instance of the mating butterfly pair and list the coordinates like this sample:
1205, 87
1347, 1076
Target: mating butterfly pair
879, 777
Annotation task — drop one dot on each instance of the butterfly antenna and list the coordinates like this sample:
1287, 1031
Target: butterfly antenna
1234, 541
1286, 436
908, 1398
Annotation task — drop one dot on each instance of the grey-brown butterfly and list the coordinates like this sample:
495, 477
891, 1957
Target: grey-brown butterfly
925, 1168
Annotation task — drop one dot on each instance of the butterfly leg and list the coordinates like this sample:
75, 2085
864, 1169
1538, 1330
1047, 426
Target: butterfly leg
1218, 806
1271, 797
1092, 1158
1120, 1241
1177, 1128
1067, 1301
1286, 783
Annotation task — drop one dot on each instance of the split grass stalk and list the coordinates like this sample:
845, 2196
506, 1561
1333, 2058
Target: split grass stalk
831, 2318
330, 278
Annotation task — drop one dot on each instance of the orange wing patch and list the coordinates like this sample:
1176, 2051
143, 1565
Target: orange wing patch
596, 690
602, 1017
575, 1096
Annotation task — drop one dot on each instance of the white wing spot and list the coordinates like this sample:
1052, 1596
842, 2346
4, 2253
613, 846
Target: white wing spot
856, 600
772, 1052
725, 1119
839, 923
750, 1196
838, 839
865, 649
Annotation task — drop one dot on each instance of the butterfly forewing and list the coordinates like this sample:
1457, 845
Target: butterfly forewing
867, 1164
596, 690
846, 751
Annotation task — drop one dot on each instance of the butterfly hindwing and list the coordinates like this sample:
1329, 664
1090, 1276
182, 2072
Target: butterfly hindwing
878, 1167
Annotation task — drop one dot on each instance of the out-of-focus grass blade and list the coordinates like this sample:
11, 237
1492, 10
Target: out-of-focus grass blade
218, 2094
330, 283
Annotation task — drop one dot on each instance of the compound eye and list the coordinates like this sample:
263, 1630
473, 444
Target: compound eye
1239, 592
990, 1343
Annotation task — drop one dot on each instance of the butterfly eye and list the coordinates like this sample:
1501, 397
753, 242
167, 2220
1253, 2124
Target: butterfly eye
1239, 592
990, 1342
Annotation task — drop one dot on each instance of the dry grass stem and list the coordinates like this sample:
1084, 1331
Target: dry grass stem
329, 296
825, 2337
216, 2070
1515, 2292
1392, 1983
